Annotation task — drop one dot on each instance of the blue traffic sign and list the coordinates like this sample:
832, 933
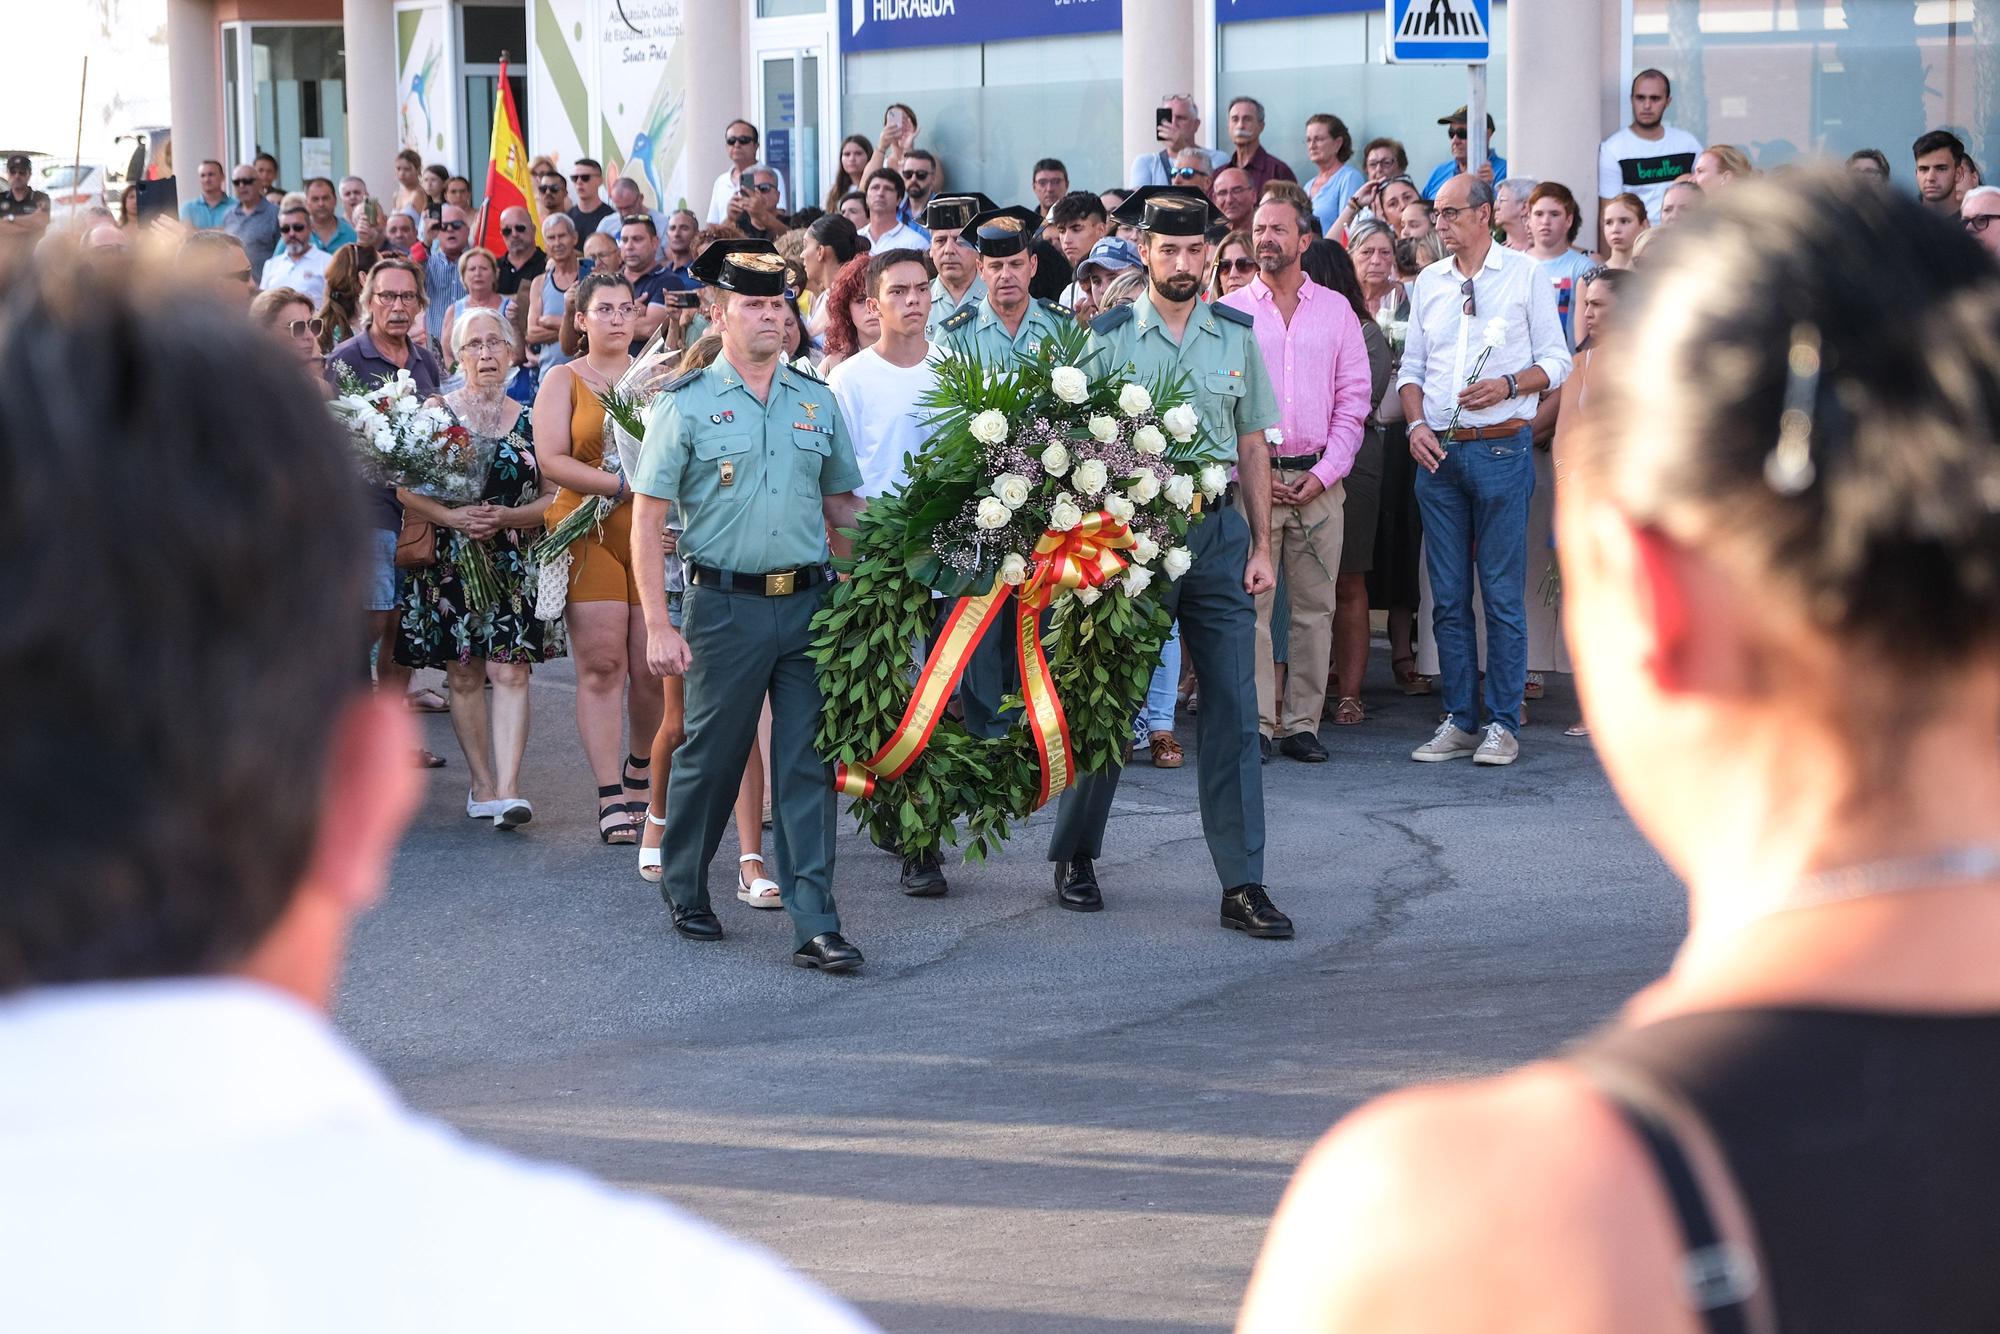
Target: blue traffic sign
1457, 32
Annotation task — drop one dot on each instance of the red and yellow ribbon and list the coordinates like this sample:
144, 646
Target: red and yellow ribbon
1086, 556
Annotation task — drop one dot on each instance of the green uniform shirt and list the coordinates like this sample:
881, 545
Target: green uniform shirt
976, 329
1218, 351
943, 307
747, 477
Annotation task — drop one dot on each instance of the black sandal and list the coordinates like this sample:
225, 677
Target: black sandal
624, 830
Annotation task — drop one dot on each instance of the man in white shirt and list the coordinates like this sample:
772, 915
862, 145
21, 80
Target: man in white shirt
298, 264
1484, 345
1647, 156
741, 139
185, 1141
882, 193
1176, 132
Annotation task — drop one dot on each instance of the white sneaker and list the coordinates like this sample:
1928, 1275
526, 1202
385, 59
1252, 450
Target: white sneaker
1449, 743
759, 893
481, 810
1498, 746
513, 813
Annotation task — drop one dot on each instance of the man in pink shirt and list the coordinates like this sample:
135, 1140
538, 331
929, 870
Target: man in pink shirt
1311, 339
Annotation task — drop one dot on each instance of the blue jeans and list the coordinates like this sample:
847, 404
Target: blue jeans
1475, 511
1162, 694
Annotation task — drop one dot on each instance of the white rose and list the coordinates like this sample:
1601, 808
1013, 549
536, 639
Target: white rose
1177, 562
1064, 515
1148, 440
1133, 400
1180, 491
1119, 508
1274, 437
1087, 595
1496, 332
1103, 429
1014, 570
1055, 460
990, 427
1182, 420
1136, 579
1090, 477
1214, 480
1012, 489
993, 513
1144, 548
1069, 384
1145, 485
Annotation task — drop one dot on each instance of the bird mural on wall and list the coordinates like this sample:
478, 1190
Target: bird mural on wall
654, 136
420, 90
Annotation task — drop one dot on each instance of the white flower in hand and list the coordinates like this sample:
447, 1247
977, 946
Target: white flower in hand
993, 513
1148, 440
1103, 429
1144, 548
1014, 570
990, 427
1136, 579
1177, 562
1069, 384
1179, 491
1012, 489
1182, 420
1273, 437
1133, 400
1064, 514
1214, 480
1055, 461
1088, 595
1496, 332
1119, 508
1090, 477
1145, 486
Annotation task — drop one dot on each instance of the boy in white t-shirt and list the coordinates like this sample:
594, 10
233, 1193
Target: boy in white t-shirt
1647, 156
878, 388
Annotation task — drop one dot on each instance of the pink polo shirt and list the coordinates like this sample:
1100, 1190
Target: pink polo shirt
1319, 371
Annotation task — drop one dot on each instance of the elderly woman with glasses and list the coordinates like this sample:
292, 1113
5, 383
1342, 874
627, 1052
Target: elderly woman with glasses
496, 642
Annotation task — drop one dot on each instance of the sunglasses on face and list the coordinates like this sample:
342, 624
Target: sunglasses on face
1456, 132
761, 187
244, 180
451, 226
299, 328
516, 230
583, 177
1185, 173
1240, 264
292, 228
916, 175
738, 140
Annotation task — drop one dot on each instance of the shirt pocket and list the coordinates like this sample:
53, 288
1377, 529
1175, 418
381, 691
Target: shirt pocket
1222, 382
720, 460
813, 449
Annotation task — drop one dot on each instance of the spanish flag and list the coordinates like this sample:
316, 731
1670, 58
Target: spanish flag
507, 184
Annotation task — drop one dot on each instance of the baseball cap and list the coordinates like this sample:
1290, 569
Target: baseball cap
1460, 116
17, 162
1111, 254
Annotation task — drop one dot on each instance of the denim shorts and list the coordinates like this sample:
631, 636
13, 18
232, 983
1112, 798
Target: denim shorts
383, 585
674, 610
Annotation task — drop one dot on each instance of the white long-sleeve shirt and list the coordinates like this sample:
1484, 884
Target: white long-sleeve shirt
1445, 341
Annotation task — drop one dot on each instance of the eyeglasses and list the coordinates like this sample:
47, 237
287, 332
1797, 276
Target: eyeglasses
1471, 306
1240, 264
516, 230
623, 312
292, 228
1977, 224
481, 346
244, 180
1185, 173
738, 140
916, 175
451, 226
1456, 132
397, 298
1449, 215
299, 328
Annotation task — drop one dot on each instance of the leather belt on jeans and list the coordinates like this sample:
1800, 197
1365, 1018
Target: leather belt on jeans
1498, 431
776, 584
1295, 462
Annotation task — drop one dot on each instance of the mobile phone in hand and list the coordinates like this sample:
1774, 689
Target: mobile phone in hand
680, 300
1163, 120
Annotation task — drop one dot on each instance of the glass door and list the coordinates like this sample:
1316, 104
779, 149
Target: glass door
790, 93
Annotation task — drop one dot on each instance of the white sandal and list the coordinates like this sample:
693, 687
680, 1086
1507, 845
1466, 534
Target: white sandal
649, 858
759, 893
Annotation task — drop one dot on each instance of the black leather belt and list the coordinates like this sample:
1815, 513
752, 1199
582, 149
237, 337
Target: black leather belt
1296, 462
776, 584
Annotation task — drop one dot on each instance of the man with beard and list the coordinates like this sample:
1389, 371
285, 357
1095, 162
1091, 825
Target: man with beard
1168, 331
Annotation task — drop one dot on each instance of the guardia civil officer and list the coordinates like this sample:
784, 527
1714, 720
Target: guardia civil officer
958, 283
756, 456
1005, 324
1168, 330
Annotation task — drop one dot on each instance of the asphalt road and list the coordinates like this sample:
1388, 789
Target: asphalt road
1015, 1118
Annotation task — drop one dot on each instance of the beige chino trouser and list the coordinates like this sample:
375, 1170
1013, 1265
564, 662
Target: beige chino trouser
1305, 543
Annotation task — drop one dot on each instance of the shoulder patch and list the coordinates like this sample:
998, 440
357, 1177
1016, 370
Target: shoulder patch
681, 381
963, 316
1111, 319
1232, 314
1056, 307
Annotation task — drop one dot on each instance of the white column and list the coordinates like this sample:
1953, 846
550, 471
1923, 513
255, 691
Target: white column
194, 88
716, 59
1159, 56
1555, 121
368, 29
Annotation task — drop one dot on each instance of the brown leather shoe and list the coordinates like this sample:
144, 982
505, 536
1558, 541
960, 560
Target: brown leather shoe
1167, 752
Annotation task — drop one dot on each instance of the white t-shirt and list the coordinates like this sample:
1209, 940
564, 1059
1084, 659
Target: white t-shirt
305, 274
725, 189
878, 401
1645, 167
900, 237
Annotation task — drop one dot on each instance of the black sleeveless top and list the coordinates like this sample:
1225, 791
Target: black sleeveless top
1865, 1147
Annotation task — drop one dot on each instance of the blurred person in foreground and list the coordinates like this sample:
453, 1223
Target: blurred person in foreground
175, 1090
1780, 518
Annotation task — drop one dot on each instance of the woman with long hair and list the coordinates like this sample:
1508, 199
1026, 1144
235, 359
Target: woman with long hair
607, 634
340, 308
410, 196
850, 325
1234, 266
830, 242
1393, 582
851, 169
1623, 221
1720, 165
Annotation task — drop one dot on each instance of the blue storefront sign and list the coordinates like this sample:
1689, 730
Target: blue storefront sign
887, 25
1248, 11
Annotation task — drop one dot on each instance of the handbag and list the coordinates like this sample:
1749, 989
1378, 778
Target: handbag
416, 543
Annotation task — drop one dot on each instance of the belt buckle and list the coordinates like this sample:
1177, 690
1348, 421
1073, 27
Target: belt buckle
779, 585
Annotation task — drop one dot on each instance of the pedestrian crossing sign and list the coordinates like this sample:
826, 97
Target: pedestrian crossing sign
1457, 32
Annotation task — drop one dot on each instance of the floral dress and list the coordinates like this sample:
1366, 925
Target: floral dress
436, 628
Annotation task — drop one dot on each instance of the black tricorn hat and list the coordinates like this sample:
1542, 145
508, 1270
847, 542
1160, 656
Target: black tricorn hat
999, 232
1169, 210
750, 268
951, 212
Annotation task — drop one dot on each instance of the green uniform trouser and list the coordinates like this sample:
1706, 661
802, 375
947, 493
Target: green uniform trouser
1219, 633
991, 672
743, 645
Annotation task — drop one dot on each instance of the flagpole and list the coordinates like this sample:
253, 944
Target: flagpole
487, 202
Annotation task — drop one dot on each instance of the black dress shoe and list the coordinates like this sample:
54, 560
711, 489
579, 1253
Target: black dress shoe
1303, 747
696, 923
1247, 908
1076, 886
923, 877
829, 952
1266, 748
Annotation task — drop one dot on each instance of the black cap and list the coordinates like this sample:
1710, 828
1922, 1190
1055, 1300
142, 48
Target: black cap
1169, 210
1463, 115
18, 162
999, 232
749, 268
951, 212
